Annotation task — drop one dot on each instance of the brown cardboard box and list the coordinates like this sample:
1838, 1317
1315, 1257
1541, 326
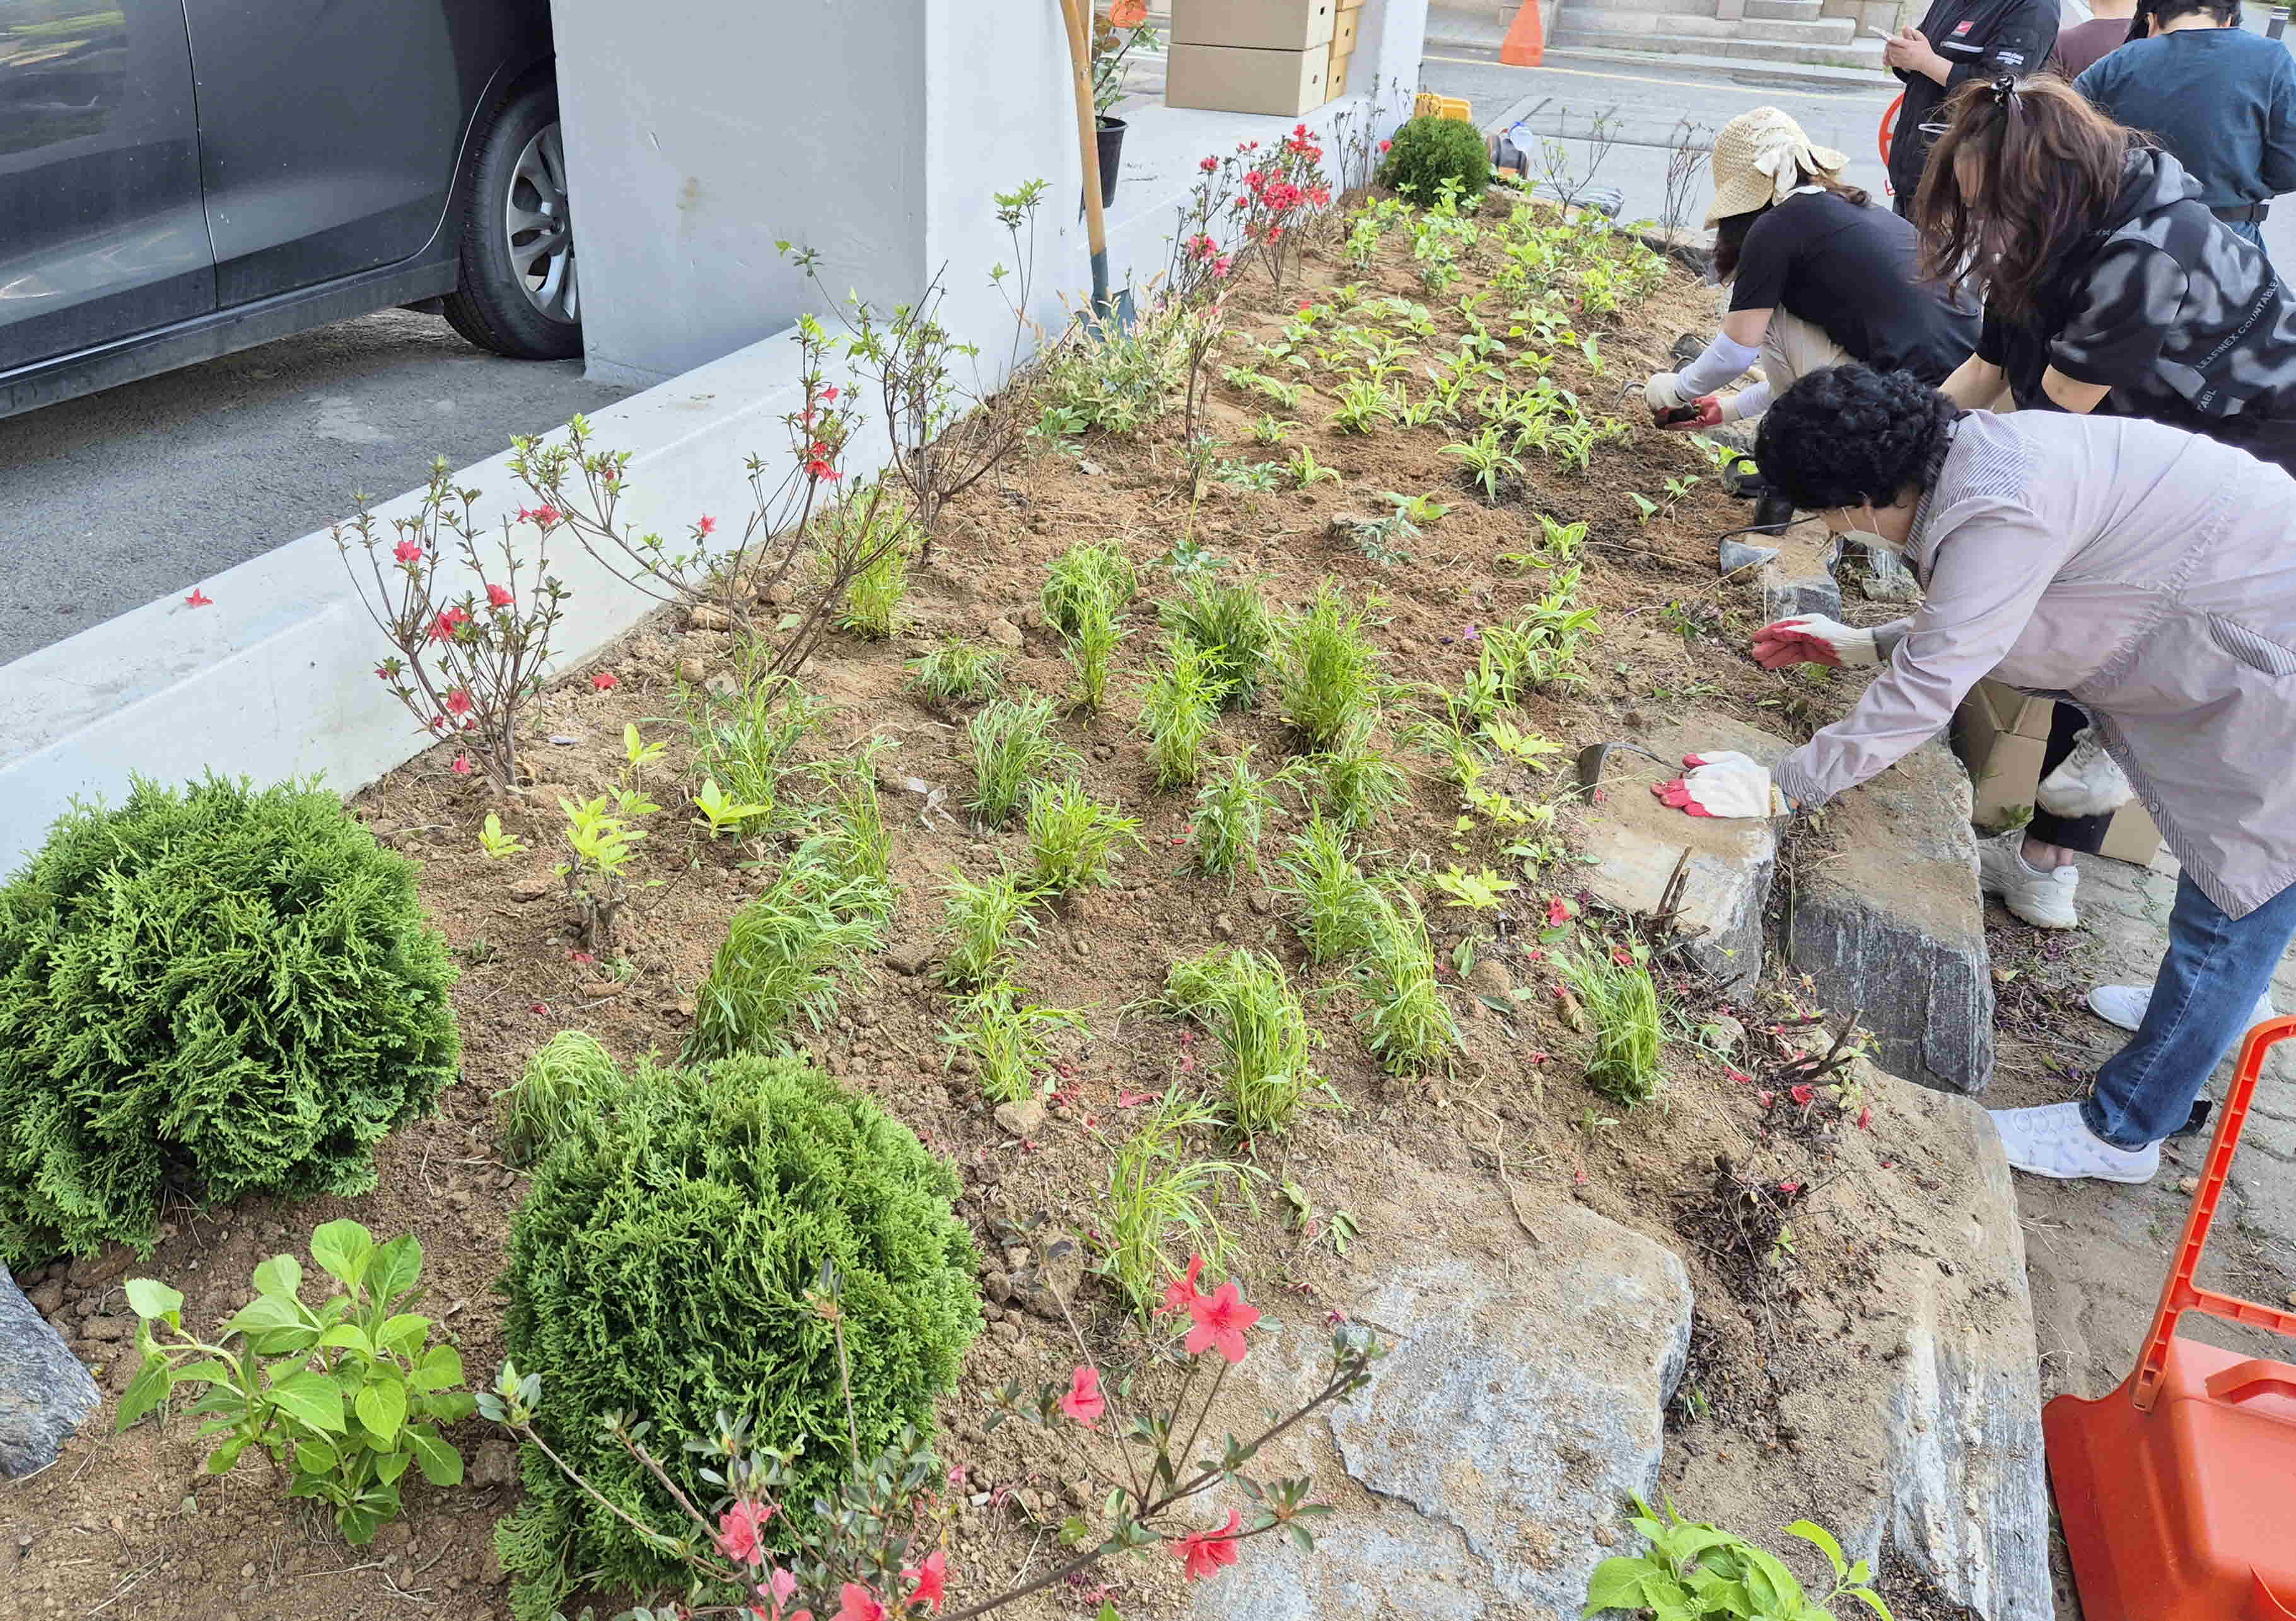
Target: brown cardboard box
1254, 25
1233, 79
2004, 733
1343, 33
1335, 80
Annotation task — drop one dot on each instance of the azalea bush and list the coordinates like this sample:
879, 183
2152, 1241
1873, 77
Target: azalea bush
872, 1546
205, 993
465, 661
662, 1263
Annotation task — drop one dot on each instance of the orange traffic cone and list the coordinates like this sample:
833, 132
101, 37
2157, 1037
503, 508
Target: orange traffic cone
1525, 45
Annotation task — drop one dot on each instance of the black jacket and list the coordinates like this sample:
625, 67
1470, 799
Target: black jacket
1982, 39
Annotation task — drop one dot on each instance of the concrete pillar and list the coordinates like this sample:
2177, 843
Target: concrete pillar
698, 138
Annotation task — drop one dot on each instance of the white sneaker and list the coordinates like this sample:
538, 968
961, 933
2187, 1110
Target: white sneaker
2125, 1005
2054, 1140
2087, 783
2043, 898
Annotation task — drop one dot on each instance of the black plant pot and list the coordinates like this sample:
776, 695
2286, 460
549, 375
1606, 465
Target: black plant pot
1111, 134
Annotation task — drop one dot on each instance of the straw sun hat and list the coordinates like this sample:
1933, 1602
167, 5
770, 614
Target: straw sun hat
1758, 158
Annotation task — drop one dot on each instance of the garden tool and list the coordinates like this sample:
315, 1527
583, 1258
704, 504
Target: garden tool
1105, 313
2175, 1490
1594, 756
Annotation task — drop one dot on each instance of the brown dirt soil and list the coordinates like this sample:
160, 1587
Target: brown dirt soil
125, 1527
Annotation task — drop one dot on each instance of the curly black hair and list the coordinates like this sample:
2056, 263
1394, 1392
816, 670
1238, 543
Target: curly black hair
1849, 434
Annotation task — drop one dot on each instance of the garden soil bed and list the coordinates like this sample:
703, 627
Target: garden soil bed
126, 1527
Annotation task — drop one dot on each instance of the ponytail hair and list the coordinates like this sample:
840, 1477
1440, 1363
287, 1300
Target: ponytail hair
2025, 168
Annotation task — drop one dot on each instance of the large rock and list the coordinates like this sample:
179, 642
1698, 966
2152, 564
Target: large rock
45, 1392
1889, 920
1913, 1407
1801, 579
1633, 842
1521, 1404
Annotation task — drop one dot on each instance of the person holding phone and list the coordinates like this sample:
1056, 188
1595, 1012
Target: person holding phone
1958, 41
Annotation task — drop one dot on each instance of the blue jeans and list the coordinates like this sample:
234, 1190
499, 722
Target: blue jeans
2215, 969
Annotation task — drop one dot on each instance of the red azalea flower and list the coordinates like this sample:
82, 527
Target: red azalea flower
931, 1578
461, 766
443, 627
1805, 1094
1209, 164
1790, 1188
856, 1602
199, 599
1387, 146
829, 393
499, 596
707, 526
546, 515
1128, 13
737, 1533
458, 702
1220, 1321
605, 680
579, 956
1622, 957
1180, 1295
1866, 1118
1202, 1553
1558, 912
1739, 1075
1084, 1403
408, 551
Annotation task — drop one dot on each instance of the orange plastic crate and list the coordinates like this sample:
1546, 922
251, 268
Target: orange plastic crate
2178, 1491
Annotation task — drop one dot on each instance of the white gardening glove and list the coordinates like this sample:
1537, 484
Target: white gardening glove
1724, 783
1663, 391
1812, 639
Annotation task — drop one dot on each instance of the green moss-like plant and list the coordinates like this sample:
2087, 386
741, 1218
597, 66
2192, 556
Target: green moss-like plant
1429, 150
661, 1266
216, 992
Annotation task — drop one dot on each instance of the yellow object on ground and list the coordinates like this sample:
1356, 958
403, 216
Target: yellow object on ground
1431, 104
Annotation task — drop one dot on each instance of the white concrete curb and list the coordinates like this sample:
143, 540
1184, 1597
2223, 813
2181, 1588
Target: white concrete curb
276, 678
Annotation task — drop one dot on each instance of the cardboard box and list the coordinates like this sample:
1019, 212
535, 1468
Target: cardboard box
2002, 734
1335, 80
1343, 33
1229, 78
1254, 25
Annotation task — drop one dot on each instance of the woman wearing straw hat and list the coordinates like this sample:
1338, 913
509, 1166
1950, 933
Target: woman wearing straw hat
1817, 275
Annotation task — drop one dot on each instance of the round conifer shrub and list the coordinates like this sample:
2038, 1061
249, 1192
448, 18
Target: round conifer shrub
1429, 150
661, 1265
208, 992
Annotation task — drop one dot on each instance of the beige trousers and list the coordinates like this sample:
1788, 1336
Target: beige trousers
1794, 348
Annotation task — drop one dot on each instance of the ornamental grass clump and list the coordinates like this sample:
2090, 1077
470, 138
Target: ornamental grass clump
1243, 999
207, 992
1621, 1002
666, 1264
1328, 670
1232, 625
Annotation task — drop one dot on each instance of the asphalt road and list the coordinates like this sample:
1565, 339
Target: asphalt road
125, 497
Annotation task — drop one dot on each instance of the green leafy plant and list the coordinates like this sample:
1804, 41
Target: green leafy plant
957, 671
1381, 539
1164, 1202
637, 753
1421, 509
1480, 892
1231, 810
981, 924
1090, 646
1363, 407
749, 740
1083, 574
1327, 670
1010, 1039
786, 956
1353, 783
561, 1086
216, 991
873, 596
1231, 626
1621, 1002
1243, 997
1305, 469
1074, 839
1486, 461
1274, 390
1269, 429
1178, 711
345, 1397
1261, 476
496, 843
1697, 1572
1336, 901
600, 846
666, 1262
1012, 746
721, 814
1409, 1024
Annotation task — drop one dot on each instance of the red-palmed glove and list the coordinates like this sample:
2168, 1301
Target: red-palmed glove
1812, 639
1679, 419
1724, 783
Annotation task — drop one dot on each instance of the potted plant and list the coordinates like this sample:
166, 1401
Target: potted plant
1124, 30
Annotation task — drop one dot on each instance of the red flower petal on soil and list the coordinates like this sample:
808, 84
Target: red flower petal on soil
1805, 1094
1765, 1099
1133, 1100
461, 766
199, 599
579, 956
1789, 1188
1220, 1318
930, 1577
1866, 1118
1084, 1403
538, 1008
1739, 1075
1558, 912
605, 680
1204, 1552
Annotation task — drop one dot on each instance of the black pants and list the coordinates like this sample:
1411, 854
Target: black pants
2085, 834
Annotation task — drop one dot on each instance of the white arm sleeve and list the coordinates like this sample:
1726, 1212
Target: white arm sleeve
1723, 362
1747, 402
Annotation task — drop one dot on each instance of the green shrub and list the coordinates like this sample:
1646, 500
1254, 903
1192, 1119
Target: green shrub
1429, 150
660, 1266
215, 993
